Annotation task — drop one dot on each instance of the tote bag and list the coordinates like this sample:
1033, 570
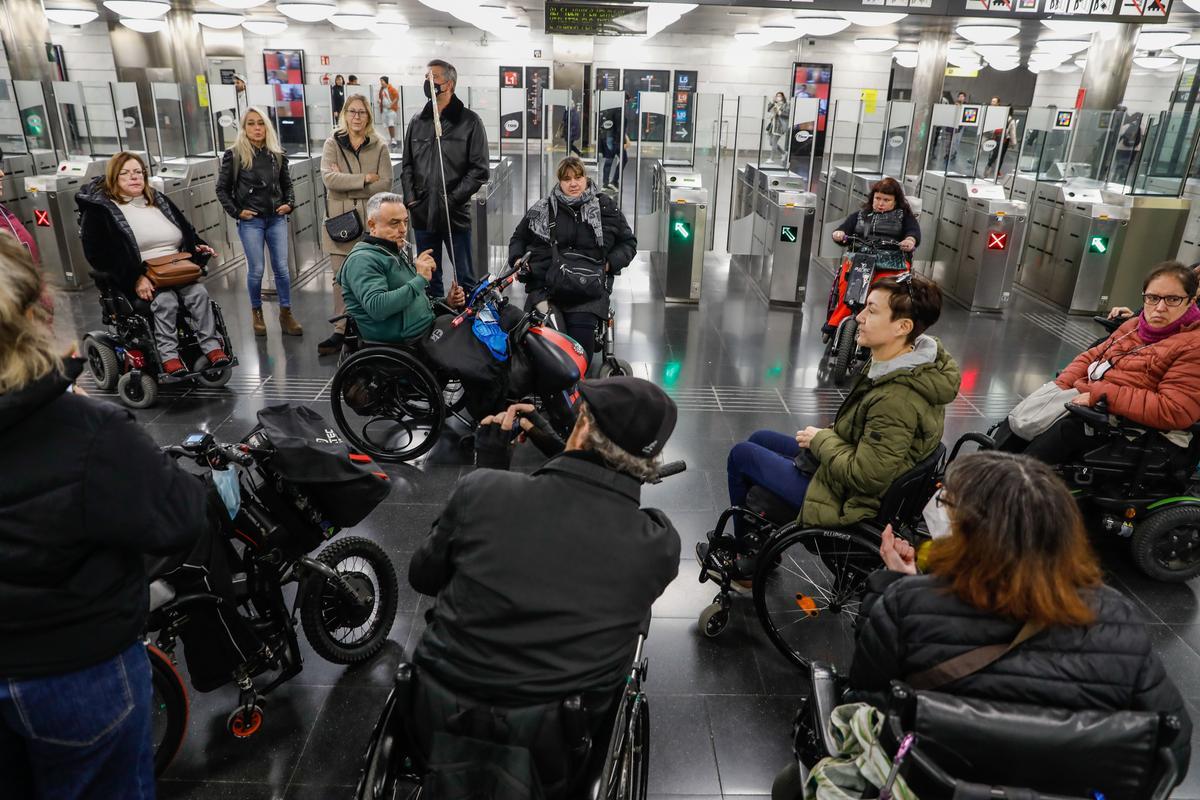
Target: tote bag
1035, 414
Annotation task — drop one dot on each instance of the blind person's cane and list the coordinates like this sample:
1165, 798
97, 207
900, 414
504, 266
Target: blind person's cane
437, 135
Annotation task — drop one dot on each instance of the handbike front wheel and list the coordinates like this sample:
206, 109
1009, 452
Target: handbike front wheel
168, 709
808, 592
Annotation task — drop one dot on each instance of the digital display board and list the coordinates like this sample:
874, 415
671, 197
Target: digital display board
595, 19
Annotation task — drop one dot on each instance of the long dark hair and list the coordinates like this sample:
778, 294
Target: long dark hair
1018, 547
888, 186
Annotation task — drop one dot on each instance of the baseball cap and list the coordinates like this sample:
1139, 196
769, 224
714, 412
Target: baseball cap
634, 414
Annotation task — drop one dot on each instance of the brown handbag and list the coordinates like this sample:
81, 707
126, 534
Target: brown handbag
176, 269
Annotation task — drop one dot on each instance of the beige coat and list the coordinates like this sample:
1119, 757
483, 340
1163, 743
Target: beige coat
346, 186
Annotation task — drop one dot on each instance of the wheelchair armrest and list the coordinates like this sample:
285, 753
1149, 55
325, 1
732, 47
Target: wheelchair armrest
824, 699
338, 318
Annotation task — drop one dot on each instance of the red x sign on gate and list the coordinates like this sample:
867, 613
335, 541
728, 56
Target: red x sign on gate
997, 240
41, 218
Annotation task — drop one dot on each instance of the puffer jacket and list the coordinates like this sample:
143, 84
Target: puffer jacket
464, 152
262, 187
892, 418
914, 623
1156, 385
344, 171
108, 242
573, 235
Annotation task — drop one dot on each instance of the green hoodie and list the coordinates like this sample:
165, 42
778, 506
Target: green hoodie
384, 293
892, 418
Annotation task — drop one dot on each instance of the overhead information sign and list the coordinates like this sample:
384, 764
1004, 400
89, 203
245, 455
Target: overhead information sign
1133, 12
595, 19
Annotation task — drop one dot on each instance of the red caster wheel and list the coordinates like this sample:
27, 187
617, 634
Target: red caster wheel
243, 725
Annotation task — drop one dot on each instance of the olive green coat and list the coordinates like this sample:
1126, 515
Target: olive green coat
892, 418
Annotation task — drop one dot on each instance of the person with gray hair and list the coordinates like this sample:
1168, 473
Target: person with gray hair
384, 288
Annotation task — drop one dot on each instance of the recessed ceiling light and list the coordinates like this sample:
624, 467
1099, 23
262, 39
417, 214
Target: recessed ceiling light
144, 25
220, 20
70, 13
312, 11
265, 27
138, 9
987, 34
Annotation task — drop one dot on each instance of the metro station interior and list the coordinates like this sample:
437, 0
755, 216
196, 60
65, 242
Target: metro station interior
1048, 150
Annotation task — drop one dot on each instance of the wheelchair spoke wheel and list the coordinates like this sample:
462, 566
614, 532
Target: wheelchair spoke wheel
627, 768
168, 709
387, 404
808, 592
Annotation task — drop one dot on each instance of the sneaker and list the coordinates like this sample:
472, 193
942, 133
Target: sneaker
218, 358
173, 366
332, 345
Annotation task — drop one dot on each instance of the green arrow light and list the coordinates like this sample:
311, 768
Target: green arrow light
787, 233
1098, 244
682, 229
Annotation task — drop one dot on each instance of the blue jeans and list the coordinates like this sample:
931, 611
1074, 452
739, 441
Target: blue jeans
463, 270
611, 173
766, 460
271, 232
83, 735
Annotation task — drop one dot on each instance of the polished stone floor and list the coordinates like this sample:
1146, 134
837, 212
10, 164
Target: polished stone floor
721, 709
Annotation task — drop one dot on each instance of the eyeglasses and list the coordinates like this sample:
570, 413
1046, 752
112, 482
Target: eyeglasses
906, 279
356, 112
941, 501
131, 173
1172, 300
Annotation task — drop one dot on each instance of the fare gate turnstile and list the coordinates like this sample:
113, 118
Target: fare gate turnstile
791, 218
993, 233
56, 228
191, 184
489, 234
681, 203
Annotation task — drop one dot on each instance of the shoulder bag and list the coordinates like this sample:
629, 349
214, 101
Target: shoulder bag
1035, 414
970, 662
347, 227
172, 271
572, 277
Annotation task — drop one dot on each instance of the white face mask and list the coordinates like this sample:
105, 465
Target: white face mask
936, 519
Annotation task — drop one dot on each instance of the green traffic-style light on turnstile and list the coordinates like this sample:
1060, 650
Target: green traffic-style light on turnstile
671, 373
787, 233
1098, 244
681, 229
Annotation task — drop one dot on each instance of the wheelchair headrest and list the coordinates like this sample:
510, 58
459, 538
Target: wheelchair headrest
1049, 750
909, 493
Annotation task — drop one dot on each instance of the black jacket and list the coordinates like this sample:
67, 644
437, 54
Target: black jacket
574, 235
464, 155
909, 227
542, 581
264, 187
86, 493
108, 241
912, 623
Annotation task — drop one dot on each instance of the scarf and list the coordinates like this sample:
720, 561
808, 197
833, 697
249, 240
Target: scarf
588, 202
1151, 335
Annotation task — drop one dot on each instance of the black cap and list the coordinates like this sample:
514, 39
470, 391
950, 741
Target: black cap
635, 414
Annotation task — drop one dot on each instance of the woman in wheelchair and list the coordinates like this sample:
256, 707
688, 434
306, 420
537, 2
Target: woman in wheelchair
575, 231
1147, 371
123, 224
891, 419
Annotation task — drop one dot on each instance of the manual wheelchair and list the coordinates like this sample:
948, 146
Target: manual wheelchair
808, 583
561, 738
963, 747
124, 356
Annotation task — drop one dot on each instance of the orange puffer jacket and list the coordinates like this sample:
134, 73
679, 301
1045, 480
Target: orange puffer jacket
1157, 385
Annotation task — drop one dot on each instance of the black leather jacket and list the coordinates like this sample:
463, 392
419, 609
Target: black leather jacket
464, 156
262, 188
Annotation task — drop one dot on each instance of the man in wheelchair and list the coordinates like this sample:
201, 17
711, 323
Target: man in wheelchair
384, 288
542, 583
1012, 630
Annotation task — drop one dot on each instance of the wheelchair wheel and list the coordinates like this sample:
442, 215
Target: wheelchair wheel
627, 767
843, 356
102, 363
808, 590
139, 393
1166, 545
616, 367
168, 709
338, 629
208, 377
388, 772
387, 404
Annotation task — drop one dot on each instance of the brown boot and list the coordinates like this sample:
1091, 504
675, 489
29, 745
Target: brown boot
260, 325
288, 323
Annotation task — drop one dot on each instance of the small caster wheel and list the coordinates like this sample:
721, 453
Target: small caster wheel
713, 620
243, 726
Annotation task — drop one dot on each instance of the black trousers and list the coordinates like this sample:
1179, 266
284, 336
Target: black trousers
1063, 441
581, 326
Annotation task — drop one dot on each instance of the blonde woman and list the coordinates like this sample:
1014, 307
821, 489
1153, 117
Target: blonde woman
255, 188
355, 164
86, 494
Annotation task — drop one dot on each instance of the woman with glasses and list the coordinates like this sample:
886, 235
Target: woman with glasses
123, 224
1147, 371
891, 419
355, 164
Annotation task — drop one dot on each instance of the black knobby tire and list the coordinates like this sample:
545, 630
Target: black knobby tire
208, 377
808, 590
1166, 544
102, 363
324, 610
619, 367
168, 709
847, 344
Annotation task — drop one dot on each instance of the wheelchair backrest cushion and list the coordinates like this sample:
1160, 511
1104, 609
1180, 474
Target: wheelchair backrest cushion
909, 493
1051, 750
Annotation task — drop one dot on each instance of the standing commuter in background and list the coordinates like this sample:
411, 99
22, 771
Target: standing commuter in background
389, 108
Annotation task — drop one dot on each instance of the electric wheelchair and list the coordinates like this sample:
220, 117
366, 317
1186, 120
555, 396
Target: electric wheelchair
963, 747
559, 745
125, 357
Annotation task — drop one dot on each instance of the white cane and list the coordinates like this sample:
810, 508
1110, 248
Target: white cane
437, 135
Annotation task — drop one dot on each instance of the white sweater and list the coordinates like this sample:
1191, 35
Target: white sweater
156, 235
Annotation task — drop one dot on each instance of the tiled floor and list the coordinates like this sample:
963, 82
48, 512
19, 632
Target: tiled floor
721, 707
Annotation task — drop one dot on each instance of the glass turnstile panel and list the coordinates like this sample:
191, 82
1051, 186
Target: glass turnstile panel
612, 150
895, 142
223, 105
486, 103
12, 138
130, 127
651, 145
72, 118
1163, 166
35, 122
318, 103
168, 120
